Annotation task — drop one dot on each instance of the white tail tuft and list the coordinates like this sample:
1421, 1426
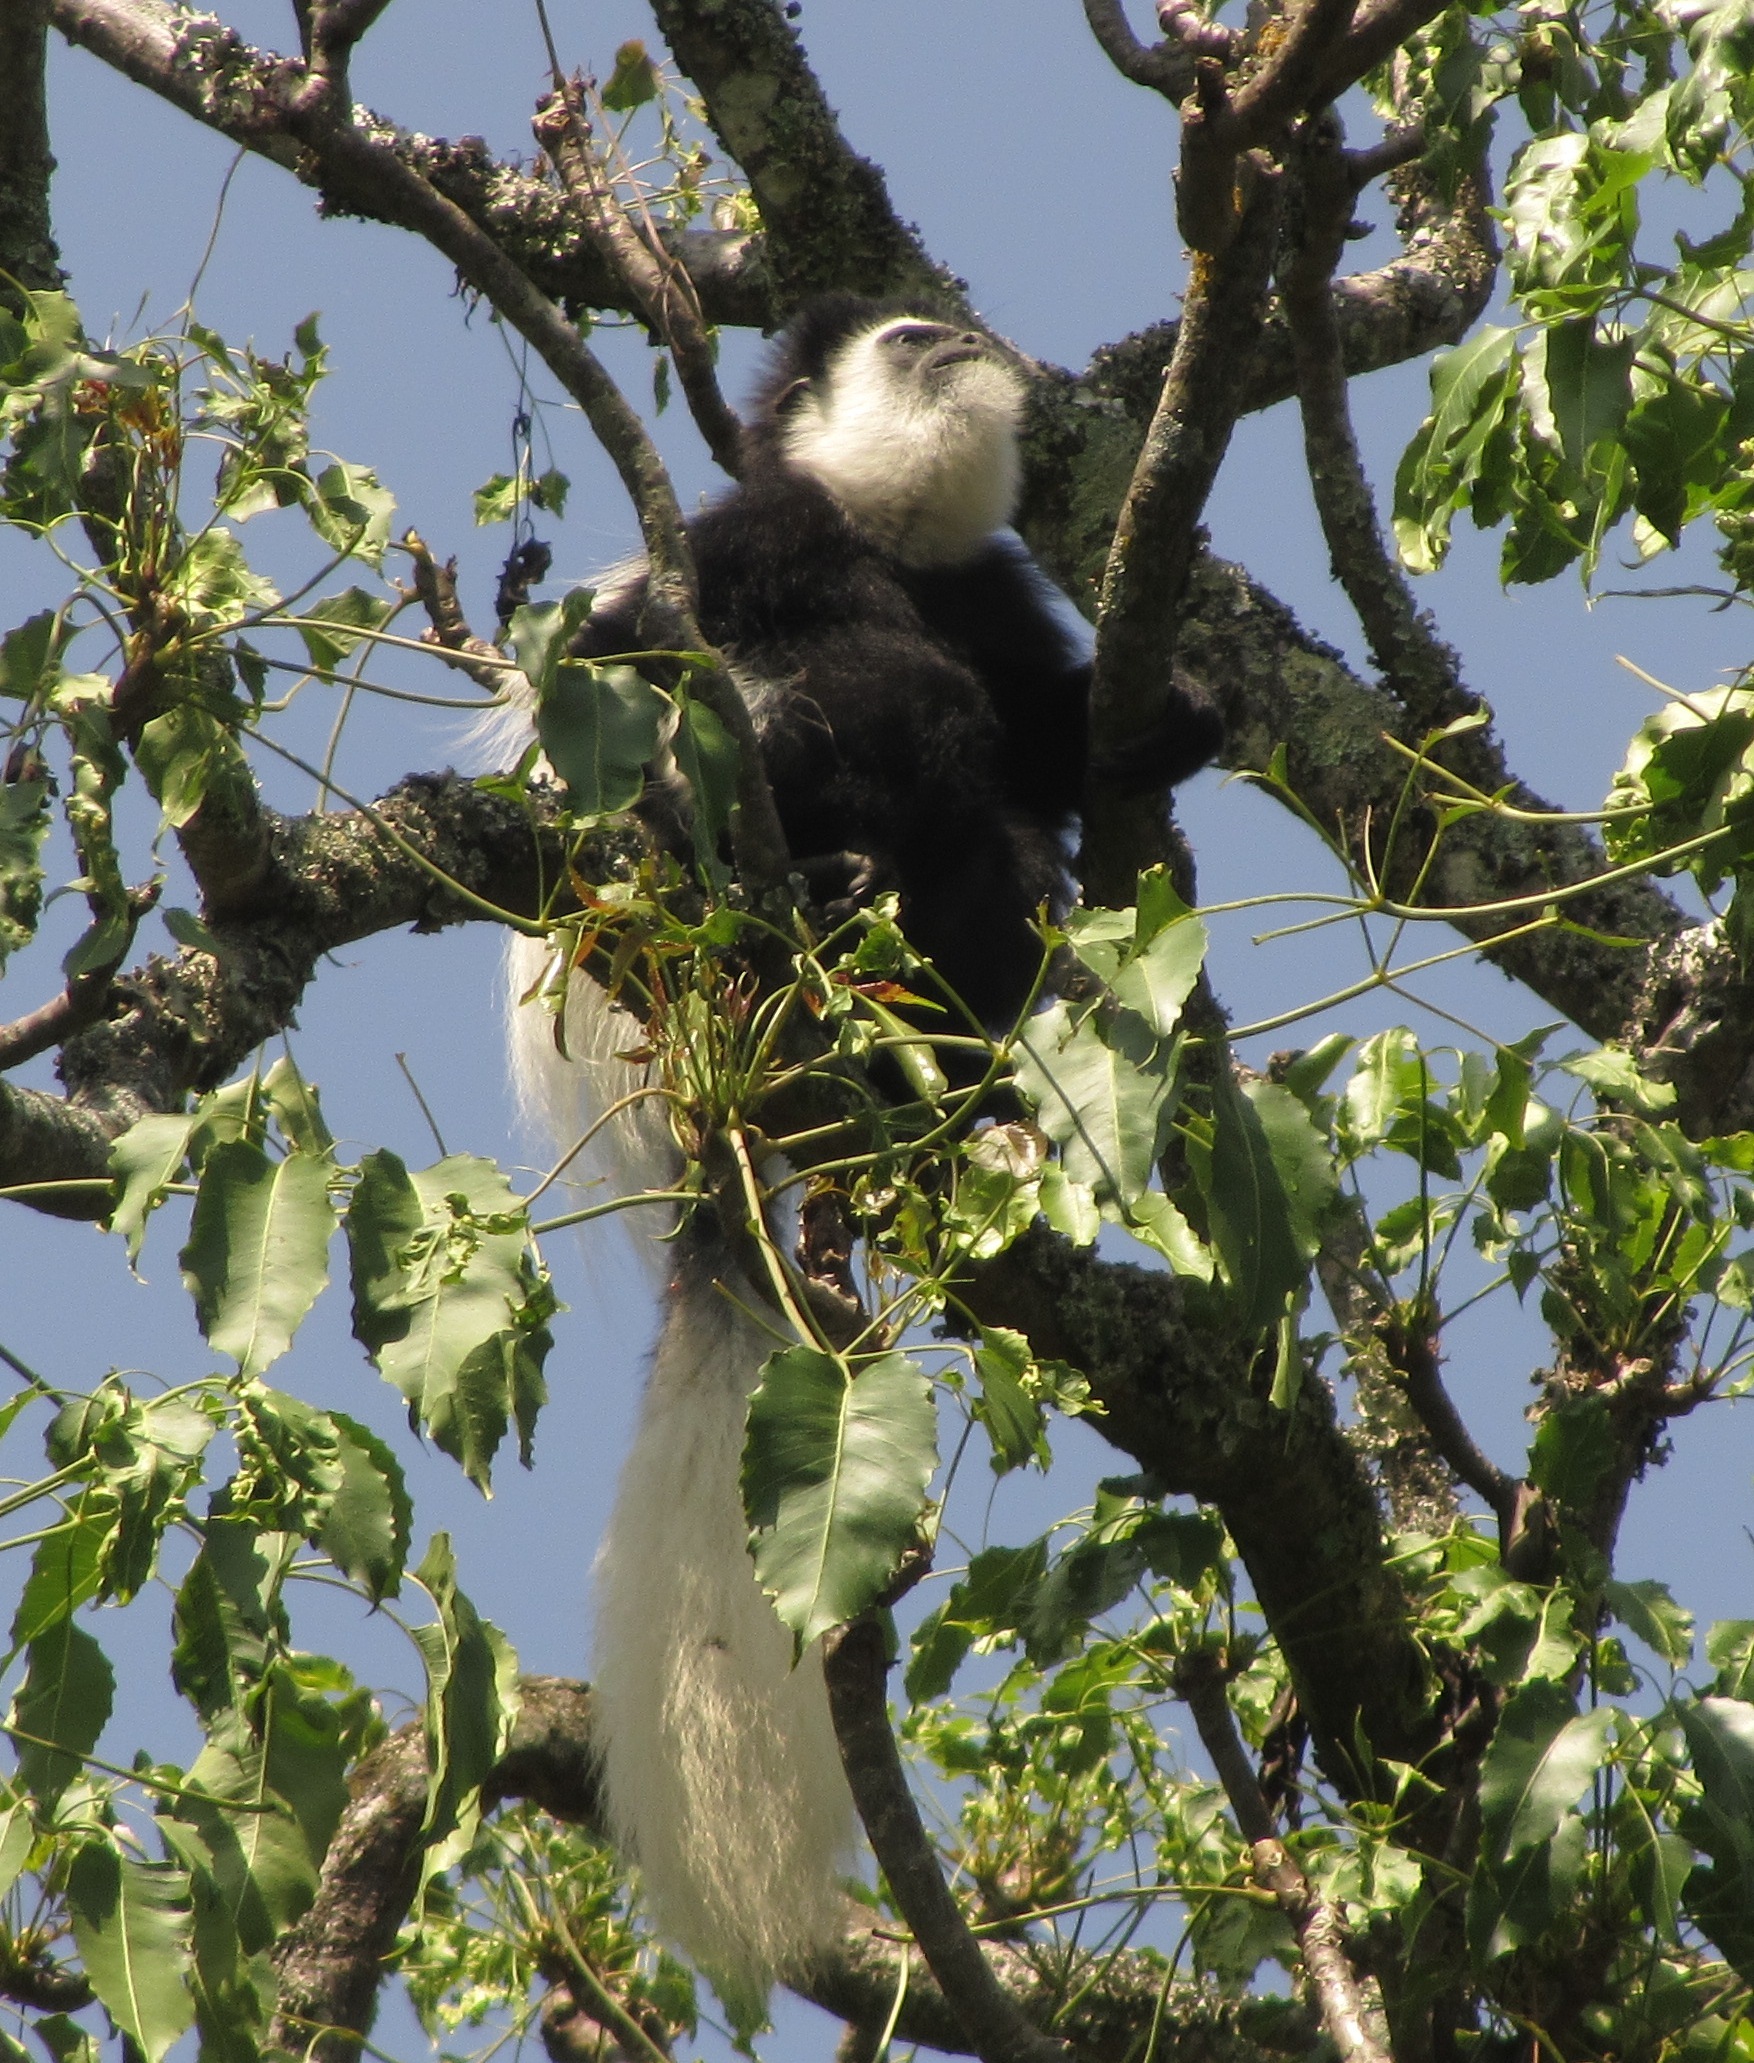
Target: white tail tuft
720, 1767
723, 1777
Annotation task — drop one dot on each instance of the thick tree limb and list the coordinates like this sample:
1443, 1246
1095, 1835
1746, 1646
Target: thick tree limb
1166, 68
1295, 1496
856, 1671
331, 1962
1154, 542
28, 252
183, 1025
826, 210
1317, 1922
249, 95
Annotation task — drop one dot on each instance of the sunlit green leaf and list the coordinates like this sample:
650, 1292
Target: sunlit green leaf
834, 1481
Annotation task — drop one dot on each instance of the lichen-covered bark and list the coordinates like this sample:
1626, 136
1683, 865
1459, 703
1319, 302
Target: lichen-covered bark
28, 255
826, 210
181, 1025
1193, 1408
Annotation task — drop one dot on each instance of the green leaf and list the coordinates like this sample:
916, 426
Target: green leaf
367, 1529
1573, 1450
24, 824
1070, 1206
131, 1921
1015, 1422
1729, 1647
350, 510
1647, 1610
229, 1621
257, 1256
471, 1693
188, 759
496, 500
1104, 1108
540, 633
834, 1481
1451, 457
600, 727
1300, 1157
634, 80
297, 1110
17, 1836
1155, 1220
330, 628
1719, 1896
213, 581
62, 1706
69, 1566
324, 1475
145, 1160
707, 755
1512, 1903
1543, 1756
990, 1602
449, 1301
1253, 1228
1150, 957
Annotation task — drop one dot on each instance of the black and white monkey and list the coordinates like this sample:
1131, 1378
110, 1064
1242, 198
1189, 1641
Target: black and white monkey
918, 701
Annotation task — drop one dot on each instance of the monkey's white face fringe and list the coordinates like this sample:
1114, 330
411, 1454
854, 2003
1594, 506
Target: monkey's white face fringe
723, 1778
720, 1767
925, 461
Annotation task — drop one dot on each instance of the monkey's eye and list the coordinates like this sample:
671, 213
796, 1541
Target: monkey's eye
915, 336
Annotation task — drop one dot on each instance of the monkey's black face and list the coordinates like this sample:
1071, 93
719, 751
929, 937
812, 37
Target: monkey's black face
926, 348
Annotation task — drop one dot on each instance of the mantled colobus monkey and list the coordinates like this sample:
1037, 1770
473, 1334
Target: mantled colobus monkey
919, 702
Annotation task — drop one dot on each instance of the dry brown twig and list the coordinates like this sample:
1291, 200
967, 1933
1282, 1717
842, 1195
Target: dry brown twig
658, 287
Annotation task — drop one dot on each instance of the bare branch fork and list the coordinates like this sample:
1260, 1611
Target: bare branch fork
855, 1668
1319, 1925
657, 286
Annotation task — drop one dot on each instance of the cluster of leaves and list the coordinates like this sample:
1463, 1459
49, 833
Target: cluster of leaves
1625, 388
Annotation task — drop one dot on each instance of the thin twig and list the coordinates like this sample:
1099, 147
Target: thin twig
855, 1667
656, 284
1318, 1922
81, 1002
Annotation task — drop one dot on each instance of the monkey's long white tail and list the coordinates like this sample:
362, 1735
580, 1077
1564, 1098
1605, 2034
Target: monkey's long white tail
721, 1772
723, 1778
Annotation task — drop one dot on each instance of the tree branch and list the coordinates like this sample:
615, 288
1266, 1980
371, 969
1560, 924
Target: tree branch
29, 257
1421, 670
331, 1962
655, 284
183, 1025
855, 1668
212, 75
80, 1003
1145, 580
1166, 68
826, 210
1317, 1921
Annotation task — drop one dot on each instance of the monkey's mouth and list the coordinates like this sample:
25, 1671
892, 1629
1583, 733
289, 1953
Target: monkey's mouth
959, 351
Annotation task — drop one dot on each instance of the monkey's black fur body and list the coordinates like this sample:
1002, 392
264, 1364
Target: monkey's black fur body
931, 716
